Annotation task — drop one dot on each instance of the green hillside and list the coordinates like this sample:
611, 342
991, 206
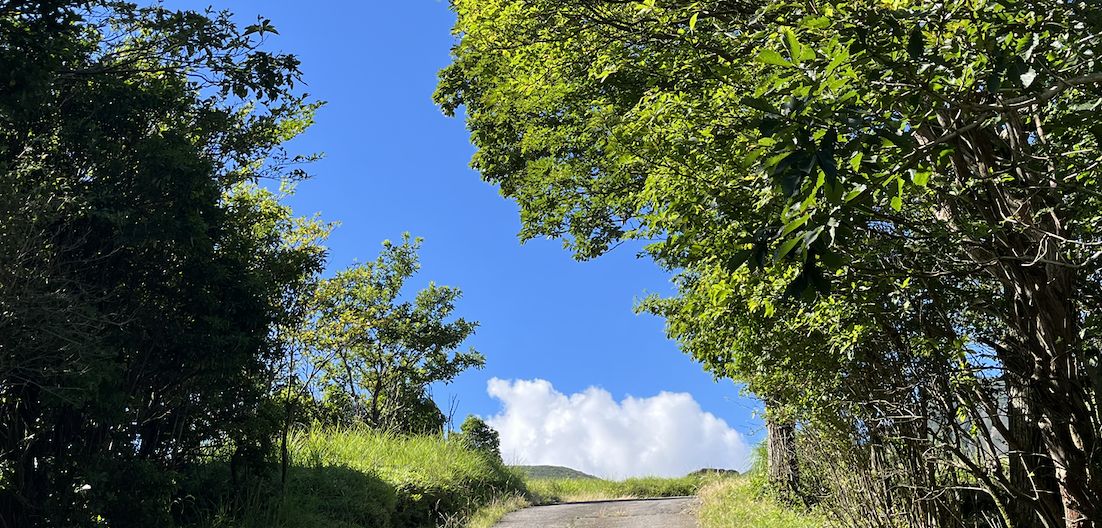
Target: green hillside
553, 472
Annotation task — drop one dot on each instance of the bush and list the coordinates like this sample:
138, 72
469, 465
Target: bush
476, 435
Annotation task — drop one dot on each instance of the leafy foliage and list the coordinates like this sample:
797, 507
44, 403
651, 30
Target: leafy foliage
141, 275
377, 355
476, 435
896, 199
355, 477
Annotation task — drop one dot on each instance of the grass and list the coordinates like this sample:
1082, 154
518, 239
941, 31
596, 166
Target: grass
351, 478
727, 502
490, 514
548, 491
557, 490
734, 503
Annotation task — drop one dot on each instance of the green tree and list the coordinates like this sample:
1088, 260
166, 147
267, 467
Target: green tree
141, 278
477, 435
859, 142
379, 355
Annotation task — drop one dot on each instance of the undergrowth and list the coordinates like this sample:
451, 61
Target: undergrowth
355, 477
737, 503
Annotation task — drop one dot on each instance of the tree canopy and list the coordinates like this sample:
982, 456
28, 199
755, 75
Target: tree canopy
378, 355
141, 273
931, 161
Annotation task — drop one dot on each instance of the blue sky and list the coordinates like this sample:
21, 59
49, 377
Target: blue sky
395, 163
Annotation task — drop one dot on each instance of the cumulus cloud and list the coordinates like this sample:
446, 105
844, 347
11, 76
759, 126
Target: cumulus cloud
665, 435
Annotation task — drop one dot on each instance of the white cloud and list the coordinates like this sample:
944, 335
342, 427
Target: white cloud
665, 435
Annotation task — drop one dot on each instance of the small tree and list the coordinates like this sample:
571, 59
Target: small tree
475, 434
377, 355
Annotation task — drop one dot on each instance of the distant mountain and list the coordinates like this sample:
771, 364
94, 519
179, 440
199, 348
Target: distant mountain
553, 472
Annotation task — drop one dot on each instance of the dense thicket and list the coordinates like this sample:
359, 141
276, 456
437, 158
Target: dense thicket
884, 215
140, 278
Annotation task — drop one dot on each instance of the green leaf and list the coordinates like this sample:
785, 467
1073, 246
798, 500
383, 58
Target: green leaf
758, 104
692, 22
767, 126
739, 258
855, 162
920, 177
806, 54
821, 22
789, 159
897, 203
806, 163
916, 46
795, 50
772, 57
796, 287
795, 224
786, 248
790, 183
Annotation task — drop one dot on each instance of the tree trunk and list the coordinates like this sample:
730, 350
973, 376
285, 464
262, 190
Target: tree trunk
1028, 255
1031, 469
783, 472
1048, 325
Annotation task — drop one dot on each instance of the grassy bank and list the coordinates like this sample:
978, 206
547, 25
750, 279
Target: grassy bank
733, 503
726, 502
358, 478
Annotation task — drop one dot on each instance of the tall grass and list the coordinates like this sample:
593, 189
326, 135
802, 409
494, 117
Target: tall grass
355, 477
427, 467
736, 503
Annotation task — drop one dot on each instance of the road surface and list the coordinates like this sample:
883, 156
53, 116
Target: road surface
673, 512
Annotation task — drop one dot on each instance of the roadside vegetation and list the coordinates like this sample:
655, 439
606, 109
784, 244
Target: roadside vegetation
727, 501
356, 476
882, 220
543, 491
736, 502
550, 491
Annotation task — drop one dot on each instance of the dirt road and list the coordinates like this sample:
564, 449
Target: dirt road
674, 512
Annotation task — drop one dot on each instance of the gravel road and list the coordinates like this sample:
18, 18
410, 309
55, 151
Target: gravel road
673, 512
